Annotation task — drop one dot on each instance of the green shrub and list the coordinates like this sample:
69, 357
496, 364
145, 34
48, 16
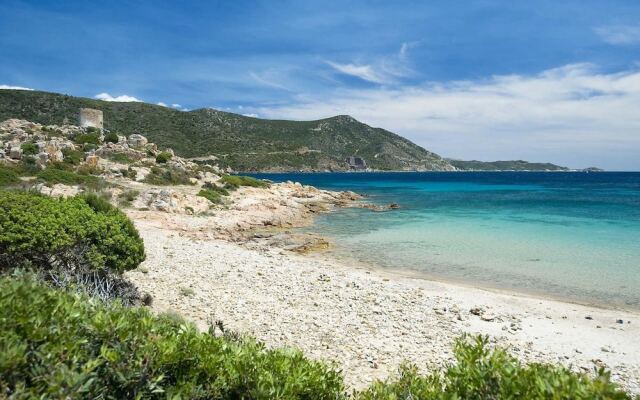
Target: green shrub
29, 148
51, 176
92, 137
89, 147
215, 188
482, 373
163, 158
127, 197
73, 157
167, 176
80, 232
120, 158
111, 137
210, 195
235, 181
61, 345
8, 176
56, 344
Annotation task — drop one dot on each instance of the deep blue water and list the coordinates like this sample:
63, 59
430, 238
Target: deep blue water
572, 235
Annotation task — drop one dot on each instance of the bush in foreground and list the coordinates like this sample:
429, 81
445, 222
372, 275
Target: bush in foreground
482, 373
55, 344
76, 233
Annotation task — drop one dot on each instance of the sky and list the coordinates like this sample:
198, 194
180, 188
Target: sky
555, 81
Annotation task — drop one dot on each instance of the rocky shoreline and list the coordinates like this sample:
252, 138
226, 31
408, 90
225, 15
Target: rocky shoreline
240, 264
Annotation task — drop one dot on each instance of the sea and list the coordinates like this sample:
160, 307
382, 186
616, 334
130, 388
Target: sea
572, 236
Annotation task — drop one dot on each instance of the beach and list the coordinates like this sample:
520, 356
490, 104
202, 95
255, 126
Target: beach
240, 266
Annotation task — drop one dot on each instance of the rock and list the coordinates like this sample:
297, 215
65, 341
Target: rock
477, 311
589, 317
42, 159
15, 153
137, 141
92, 160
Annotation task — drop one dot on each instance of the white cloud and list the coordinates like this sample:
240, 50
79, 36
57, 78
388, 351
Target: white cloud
364, 72
252, 115
385, 70
572, 114
14, 87
176, 105
162, 104
620, 34
121, 98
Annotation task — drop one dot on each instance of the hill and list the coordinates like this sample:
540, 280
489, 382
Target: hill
243, 143
513, 165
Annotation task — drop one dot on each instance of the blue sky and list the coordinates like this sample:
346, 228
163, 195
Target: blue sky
539, 80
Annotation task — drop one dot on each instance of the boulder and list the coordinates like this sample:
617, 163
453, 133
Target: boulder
92, 160
42, 159
15, 153
137, 141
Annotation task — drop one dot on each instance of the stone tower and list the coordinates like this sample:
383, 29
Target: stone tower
91, 118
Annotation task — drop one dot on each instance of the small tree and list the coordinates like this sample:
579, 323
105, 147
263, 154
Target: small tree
163, 157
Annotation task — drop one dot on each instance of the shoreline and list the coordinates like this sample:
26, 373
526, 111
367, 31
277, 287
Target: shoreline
415, 274
367, 320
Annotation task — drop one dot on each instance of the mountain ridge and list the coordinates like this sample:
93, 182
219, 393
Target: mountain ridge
240, 142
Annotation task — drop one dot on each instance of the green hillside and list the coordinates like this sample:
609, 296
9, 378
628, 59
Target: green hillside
241, 142
514, 165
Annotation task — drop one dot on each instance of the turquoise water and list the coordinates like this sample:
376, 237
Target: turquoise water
573, 236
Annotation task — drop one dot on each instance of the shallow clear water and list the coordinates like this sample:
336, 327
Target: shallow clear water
574, 236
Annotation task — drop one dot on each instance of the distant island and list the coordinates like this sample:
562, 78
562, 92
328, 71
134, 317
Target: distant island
243, 143
511, 165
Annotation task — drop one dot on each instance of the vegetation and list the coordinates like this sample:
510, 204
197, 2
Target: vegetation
73, 157
127, 197
167, 176
106, 350
211, 195
29, 148
75, 233
516, 165
235, 181
111, 137
482, 373
52, 176
120, 158
240, 142
163, 158
92, 137
114, 352
8, 176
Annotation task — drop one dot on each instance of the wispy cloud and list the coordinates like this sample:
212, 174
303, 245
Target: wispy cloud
14, 87
267, 79
385, 70
122, 98
620, 34
569, 113
364, 72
